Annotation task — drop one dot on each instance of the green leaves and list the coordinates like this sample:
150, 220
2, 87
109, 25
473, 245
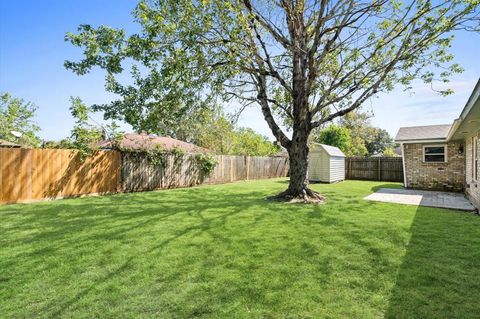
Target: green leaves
355, 136
191, 55
206, 163
336, 136
178, 61
17, 115
85, 135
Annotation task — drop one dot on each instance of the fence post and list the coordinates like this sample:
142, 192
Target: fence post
379, 172
222, 169
247, 163
349, 168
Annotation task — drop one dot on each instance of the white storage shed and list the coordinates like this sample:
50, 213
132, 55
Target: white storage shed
325, 163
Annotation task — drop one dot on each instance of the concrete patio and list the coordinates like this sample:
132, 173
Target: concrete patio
422, 198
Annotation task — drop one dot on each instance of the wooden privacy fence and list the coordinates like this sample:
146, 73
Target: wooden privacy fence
389, 169
35, 174
30, 174
139, 174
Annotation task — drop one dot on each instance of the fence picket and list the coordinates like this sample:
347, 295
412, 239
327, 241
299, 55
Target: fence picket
388, 169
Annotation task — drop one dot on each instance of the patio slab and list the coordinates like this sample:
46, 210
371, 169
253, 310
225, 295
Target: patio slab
422, 198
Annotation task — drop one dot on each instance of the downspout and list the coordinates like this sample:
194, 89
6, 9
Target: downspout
405, 184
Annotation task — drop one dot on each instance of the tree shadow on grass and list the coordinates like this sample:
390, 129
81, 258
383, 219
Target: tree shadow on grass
68, 227
438, 277
66, 224
388, 185
220, 235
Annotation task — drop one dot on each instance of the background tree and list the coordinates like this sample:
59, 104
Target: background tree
389, 152
214, 131
294, 58
381, 141
64, 143
360, 128
338, 136
85, 135
364, 139
249, 142
17, 115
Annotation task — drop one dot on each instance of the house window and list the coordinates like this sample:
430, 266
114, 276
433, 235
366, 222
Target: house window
435, 154
475, 158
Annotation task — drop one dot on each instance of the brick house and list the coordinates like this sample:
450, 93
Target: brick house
445, 157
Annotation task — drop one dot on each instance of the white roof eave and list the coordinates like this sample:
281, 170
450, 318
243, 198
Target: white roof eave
438, 140
468, 107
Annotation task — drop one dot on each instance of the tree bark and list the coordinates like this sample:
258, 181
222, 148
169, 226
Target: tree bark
298, 190
298, 155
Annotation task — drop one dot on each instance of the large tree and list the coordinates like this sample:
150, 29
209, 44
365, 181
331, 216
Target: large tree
295, 59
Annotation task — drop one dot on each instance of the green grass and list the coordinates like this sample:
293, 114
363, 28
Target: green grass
224, 252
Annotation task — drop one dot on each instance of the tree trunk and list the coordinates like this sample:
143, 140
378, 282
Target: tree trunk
298, 147
298, 156
298, 190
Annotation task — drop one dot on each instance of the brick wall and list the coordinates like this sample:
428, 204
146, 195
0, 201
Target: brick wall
448, 176
473, 187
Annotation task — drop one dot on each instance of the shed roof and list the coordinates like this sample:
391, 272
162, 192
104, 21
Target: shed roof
419, 133
331, 150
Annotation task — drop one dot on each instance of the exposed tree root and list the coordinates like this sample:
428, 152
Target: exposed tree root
306, 196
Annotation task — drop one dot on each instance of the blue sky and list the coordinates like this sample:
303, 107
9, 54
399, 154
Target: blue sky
32, 52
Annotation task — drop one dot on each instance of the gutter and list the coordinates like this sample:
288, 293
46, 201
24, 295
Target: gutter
443, 140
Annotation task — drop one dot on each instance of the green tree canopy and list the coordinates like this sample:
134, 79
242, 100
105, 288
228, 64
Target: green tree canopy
364, 139
295, 59
360, 128
338, 136
86, 133
249, 142
17, 115
214, 131
381, 141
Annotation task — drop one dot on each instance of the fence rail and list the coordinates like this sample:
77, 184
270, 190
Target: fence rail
35, 174
389, 169
138, 174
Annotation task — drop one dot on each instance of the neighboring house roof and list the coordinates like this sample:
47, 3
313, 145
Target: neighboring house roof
150, 142
331, 150
467, 123
4, 143
423, 133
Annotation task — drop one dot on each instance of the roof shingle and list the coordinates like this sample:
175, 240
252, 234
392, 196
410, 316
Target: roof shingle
428, 132
331, 150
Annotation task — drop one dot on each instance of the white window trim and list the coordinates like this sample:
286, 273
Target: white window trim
436, 145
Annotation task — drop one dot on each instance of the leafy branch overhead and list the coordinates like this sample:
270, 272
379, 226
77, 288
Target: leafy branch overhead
305, 63
348, 51
85, 135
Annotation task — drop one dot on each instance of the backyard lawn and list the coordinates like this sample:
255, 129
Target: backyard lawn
224, 252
